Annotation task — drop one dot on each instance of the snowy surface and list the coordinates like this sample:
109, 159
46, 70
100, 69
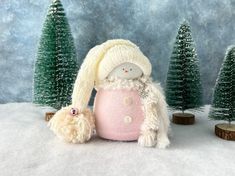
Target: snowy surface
28, 148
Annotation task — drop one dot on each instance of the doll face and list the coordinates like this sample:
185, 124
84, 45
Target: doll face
126, 71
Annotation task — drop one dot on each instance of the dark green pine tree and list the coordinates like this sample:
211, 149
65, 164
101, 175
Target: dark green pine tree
183, 84
223, 105
56, 62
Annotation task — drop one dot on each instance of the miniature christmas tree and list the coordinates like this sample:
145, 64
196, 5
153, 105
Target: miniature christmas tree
223, 105
183, 85
55, 67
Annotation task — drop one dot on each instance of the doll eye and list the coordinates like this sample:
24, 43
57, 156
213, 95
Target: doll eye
123, 69
130, 69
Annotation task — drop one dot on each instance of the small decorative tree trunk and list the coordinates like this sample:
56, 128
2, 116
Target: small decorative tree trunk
49, 115
183, 118
225, 131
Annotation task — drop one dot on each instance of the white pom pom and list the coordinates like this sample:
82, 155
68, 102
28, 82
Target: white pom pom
74, 129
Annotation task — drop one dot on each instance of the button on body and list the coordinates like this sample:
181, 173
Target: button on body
127, 119
127, 101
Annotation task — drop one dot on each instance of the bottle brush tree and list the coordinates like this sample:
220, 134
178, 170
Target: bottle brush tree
56, 63
223, 104
183, 84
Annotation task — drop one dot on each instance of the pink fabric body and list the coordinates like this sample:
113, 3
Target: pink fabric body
118, 114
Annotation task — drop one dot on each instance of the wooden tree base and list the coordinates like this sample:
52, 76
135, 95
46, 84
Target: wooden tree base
183, 118
49, 115
225, 131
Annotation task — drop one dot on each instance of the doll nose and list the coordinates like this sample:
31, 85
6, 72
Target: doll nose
125, 71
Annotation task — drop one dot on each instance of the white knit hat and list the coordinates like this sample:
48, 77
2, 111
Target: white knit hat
99, 62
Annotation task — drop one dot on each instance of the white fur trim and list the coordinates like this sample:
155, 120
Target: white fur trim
116, 83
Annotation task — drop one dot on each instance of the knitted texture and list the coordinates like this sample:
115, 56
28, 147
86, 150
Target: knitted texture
120, 54
118, 114
99, 62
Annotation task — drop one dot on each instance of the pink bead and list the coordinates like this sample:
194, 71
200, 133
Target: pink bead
74, 111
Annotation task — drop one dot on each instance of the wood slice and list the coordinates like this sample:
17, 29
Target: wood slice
225, 131
183, 118
49, 115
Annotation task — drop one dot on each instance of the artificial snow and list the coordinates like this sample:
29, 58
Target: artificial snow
28, 148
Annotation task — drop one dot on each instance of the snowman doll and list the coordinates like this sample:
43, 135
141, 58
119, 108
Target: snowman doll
128, 106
